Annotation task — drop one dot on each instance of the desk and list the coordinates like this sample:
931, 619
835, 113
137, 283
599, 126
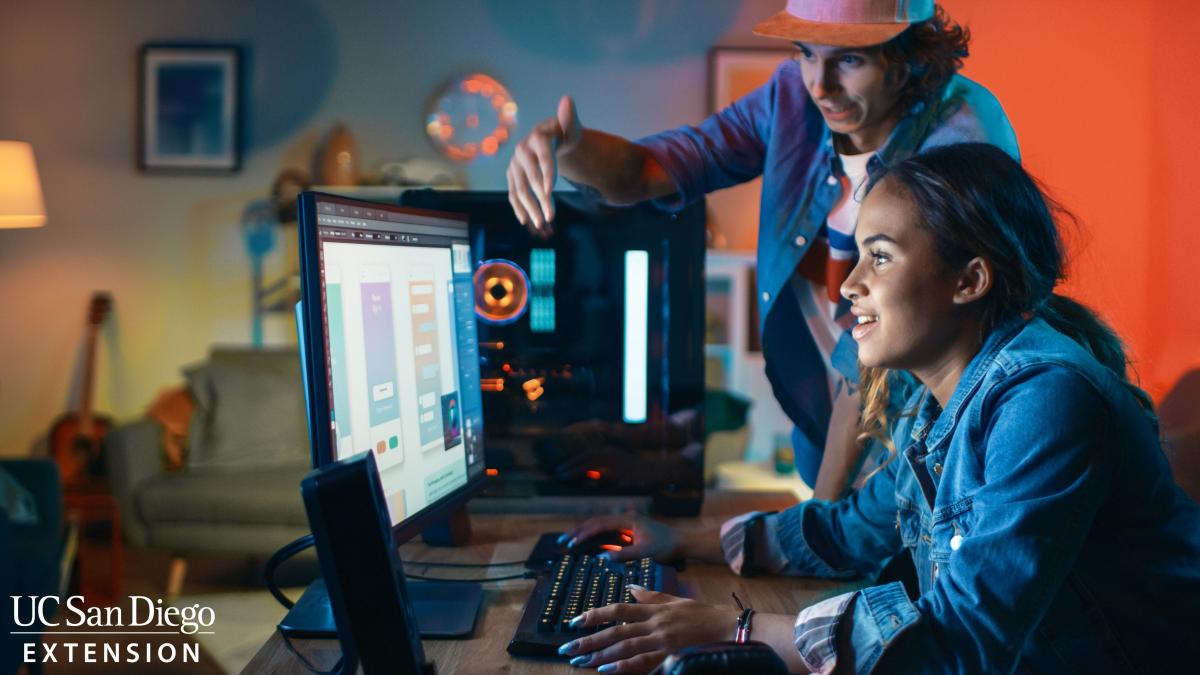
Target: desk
501, 538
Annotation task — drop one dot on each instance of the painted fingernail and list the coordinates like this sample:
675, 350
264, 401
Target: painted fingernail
562, 539
580, 660
572, 542
607, 668
567, 648
576, 621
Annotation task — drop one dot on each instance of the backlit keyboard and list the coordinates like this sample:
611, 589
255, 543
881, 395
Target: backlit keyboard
571, 585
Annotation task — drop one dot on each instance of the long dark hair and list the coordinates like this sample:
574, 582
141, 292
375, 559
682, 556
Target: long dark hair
977, 201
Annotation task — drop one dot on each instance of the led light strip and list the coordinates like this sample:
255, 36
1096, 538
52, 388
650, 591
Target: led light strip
637, 296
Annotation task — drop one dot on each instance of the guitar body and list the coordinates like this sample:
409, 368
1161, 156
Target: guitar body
77, 450
75, 437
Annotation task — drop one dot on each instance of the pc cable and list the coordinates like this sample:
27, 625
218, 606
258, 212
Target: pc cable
524, 575
450, 564
277, 559
291, 549
528, 574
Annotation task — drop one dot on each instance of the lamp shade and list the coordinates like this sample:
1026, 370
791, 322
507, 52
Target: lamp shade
21, 202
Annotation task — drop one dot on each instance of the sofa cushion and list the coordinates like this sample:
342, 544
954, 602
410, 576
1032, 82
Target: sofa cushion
250, 496
249, 410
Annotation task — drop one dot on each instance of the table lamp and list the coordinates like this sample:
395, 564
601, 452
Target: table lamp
21, 202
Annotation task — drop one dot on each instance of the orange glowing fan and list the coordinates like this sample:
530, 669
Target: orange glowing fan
501, 291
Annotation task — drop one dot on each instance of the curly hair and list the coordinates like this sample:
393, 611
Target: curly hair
932, 51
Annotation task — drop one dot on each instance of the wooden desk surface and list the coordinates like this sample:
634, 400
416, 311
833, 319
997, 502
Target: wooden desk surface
500, 538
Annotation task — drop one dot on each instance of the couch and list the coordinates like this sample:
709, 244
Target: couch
237, 488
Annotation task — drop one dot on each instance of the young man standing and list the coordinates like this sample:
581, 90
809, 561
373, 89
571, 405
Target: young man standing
873, 82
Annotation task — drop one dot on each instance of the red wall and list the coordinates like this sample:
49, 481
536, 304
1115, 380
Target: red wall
1104, 100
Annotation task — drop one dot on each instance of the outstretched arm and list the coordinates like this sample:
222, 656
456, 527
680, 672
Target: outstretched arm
618, 169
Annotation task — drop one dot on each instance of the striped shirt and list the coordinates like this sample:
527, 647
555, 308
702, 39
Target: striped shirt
817, 282
815, 633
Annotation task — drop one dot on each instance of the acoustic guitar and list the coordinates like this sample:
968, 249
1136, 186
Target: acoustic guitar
75, 437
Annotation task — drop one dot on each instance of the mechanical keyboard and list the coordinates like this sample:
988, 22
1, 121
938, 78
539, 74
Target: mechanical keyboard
570, 585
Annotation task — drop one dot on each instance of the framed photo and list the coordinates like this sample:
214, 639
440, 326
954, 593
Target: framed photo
734, 72
189, 108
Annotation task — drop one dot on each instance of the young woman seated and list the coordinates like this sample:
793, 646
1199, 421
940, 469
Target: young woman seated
1026, 479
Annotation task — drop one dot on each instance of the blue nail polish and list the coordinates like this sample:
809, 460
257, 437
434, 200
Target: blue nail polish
572, 542
580, 660
607, 668
562, 539
567, 648
576, 621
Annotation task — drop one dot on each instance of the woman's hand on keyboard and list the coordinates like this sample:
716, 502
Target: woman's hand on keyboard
639, 536
647, 632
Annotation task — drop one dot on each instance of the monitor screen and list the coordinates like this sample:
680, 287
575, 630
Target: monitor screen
392, 362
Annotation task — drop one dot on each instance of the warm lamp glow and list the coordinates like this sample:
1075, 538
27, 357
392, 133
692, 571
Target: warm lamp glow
21, 202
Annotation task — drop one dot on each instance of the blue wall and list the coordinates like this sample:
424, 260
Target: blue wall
170, 248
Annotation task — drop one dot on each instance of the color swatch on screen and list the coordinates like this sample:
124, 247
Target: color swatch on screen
426, 354
379, 348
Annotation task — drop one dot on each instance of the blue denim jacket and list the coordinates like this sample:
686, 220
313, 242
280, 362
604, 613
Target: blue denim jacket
777, 132
1047, 531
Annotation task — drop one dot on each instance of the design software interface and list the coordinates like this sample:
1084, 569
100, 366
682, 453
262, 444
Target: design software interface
400, 337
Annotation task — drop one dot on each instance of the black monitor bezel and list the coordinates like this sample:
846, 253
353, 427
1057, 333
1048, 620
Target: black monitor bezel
312, 334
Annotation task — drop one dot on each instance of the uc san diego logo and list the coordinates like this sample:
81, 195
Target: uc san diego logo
145, 616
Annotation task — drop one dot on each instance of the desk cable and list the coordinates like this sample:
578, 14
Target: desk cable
291, 549
530, 574
277, 559
450, 564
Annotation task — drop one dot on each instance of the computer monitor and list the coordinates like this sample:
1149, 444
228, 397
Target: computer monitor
592, 354
389, 328
391, 359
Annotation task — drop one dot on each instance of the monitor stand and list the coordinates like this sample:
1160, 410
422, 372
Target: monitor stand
444, 610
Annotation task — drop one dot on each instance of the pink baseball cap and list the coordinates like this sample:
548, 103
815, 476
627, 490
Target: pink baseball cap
845, 23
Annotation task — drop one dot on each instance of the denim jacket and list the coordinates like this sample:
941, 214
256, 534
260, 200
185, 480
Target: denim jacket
778, 133
1046, 528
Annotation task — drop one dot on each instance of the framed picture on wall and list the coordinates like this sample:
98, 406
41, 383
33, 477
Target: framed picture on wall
189, 108
734, 72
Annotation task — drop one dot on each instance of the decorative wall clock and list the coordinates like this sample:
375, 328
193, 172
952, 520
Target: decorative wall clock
474, 115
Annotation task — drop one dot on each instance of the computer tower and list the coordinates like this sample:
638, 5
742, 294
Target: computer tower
591, 349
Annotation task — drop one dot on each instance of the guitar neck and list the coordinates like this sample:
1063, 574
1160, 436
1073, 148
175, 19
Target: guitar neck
89, 366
